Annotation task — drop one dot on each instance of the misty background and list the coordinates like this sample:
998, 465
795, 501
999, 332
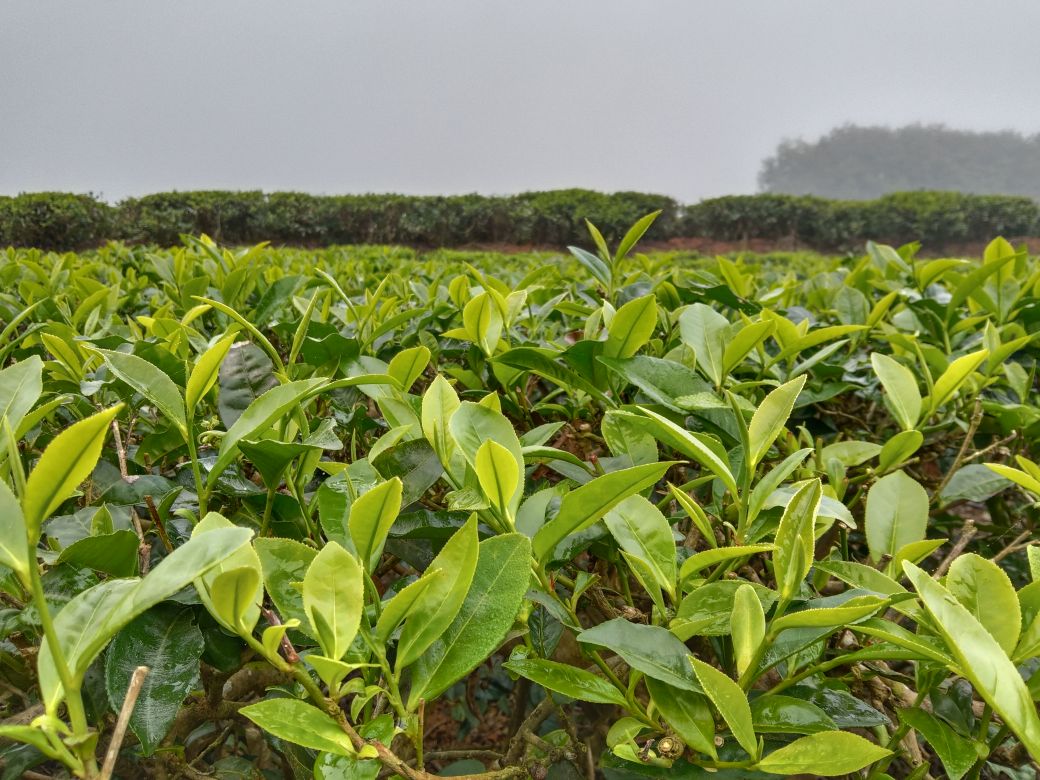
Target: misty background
127, 97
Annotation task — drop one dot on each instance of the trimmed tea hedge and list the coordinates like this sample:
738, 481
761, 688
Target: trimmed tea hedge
62, 221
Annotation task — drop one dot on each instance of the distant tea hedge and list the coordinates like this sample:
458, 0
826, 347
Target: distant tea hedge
63, 221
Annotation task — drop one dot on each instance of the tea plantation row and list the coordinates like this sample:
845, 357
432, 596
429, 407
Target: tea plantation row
555, 218
366, 512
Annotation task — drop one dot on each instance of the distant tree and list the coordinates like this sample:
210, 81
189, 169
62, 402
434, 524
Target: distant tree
853, 162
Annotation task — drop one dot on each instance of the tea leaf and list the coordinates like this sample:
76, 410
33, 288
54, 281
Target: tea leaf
827, 754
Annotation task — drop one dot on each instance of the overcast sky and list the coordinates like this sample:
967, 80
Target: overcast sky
683, 97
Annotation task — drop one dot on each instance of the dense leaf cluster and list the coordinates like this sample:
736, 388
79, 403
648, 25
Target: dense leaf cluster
263, 512
556, 218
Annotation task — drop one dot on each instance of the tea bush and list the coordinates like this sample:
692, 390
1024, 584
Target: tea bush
265, 513
555, 218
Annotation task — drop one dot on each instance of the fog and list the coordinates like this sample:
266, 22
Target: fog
686, 98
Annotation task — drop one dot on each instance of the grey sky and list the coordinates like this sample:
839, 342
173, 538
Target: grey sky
686, 97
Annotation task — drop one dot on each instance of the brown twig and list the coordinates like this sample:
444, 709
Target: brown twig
25, 717
520, 698
994, 446
11, 600
973, 426
287, 648
488, 756
222, 737
132, 691
968, 531
160, 527
144, 549
420, 761
529, 726
1015, 546
584, 763
120, 451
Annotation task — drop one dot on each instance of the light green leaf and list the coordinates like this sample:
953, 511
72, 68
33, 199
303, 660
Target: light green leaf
772, 480
980, 659
771, 417
204, 374
850, 453
439, 403
702, 329
745, 340
482, 319
371, 516
233, 596
827, 754
501, 579
633, 235
707, 610
260, 415
689, 444
21, 385
731, 702
587, 504
568, 680
243, 557
986, 591
299, 723
68, 460
795, 538
654, 651
904, 399
89, 620
408, 364
924, 646
14, 536
747, 626
852, 610
896, 514
642, 531
915, 552
972, 282
953, 377
686, 712
898, 449
333, 599
702, 560
861, 576
472, 425
498, 475
631, 328
151, 382
403, 604
1020, 478
696, 514
438, 604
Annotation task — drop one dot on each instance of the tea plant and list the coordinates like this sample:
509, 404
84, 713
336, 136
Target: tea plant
265, 511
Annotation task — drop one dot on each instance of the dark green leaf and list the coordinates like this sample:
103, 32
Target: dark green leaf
167, 641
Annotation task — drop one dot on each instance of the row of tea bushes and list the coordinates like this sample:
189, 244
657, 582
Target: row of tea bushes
63, 221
